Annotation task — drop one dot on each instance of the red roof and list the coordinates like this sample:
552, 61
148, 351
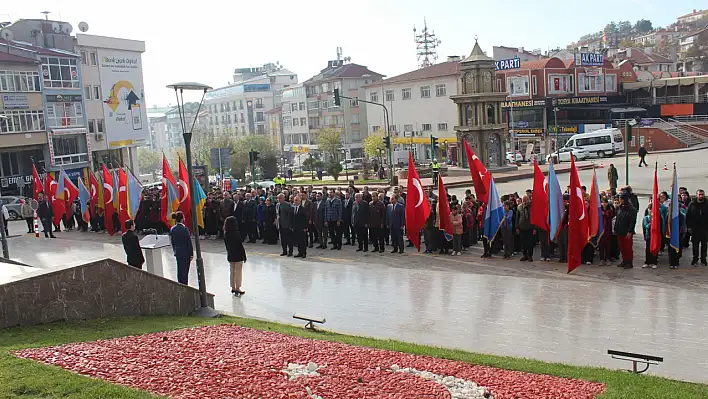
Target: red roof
434, 71
640, 57
695, 12
5, 57
543, 63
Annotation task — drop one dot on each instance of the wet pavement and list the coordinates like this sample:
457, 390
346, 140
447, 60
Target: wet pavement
493, 306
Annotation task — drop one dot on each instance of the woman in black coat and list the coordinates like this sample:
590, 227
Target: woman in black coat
271, 232
235, 254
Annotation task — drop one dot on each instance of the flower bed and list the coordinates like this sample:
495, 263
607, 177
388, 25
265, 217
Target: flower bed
233, 362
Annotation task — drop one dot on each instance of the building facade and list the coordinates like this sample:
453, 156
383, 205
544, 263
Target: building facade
116, 112
419, 107
350, 118
240, 109
296, 130
23, 136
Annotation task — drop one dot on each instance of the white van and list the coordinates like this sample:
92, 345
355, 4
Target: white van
600, 143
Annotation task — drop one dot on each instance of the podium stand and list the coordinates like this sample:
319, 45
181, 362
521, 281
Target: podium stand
153, 244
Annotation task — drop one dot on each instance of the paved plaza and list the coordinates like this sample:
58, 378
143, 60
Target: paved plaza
494, 306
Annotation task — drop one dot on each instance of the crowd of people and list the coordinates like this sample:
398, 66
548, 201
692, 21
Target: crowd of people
299, 218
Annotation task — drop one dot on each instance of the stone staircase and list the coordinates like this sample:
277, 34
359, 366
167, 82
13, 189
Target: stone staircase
685, 133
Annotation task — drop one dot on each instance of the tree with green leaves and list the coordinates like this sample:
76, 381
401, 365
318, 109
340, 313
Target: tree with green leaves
643, 26
149, 160
329, 142
372, 145
334, 168
267, 157
624, 27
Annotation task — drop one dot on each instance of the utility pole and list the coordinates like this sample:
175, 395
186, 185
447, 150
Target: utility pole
627, 137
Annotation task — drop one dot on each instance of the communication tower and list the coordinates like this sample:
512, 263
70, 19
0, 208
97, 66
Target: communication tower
426, 45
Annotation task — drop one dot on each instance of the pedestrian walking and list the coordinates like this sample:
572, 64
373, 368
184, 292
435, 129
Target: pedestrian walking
181, 247
235, 254
642, 154
28, 214
612, 176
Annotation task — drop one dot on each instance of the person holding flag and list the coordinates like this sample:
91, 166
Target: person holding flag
166, 206
36, 183
417, 206
578, 230
444, 221
133, 195
55, 194
493, 218
652, 225
123, 214
71, 193
540, 211
108, 194
674, 224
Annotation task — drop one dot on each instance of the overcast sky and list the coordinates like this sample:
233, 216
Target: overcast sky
205, 40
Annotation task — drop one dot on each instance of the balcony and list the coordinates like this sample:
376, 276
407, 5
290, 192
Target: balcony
688, 99
258, 106
61, 160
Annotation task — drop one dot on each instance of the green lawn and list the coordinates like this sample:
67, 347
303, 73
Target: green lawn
21, 378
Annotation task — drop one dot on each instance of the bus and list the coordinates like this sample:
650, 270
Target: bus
600, 143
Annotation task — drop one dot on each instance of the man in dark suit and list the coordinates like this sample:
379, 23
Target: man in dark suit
310, 208
249, 219
396, 220
349, 232
131, 245
321, 220
301, 221
45, 214
285, 223
360, 221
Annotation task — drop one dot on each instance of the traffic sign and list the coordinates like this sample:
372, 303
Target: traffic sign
220, 158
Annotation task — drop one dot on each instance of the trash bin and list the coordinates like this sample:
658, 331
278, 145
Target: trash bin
153, 244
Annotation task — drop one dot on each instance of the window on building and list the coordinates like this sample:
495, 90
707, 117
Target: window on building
64, 115
293, 107
259, 103
590, 83
336, 121
296, 122
84, 57
392, 128
60, 72
427, 127
19, 81
356, 136
390, 96
296, 139
94, 58
288, 139
325, 104
440, 90
87, 92
517, 85
425, 92
611, 83
356, 118
91, 123
333, 105
99, 126
301, 105
499, 86
375, 128
559, 84
241, 119
69, 149
22, 121
240, 104
354, 102
337, 85
325, 87
374, 96
287, 122
313, 104
406, 94
533, 84
96, 92
327, 121
442, 127
10, 166
303, 121
314, 122
260, 129
260, 117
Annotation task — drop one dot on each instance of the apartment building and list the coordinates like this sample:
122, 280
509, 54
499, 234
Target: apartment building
419, 106
240, 109
349, 118
296, 127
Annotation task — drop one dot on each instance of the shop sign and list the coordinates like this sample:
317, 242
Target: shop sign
589, 59
15, 101
512, 63
63, 98
524, 103
253, 88
564, 129
530, 132
579, 100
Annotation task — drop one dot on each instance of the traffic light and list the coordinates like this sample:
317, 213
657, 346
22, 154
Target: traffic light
433, 142
387, 142
337, 100
253, 156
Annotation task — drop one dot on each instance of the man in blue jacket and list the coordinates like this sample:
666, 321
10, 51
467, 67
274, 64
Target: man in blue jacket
395, 221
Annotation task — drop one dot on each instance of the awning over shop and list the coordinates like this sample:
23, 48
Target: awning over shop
683, 81
627, 110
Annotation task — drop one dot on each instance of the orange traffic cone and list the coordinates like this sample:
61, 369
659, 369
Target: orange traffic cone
665, 168
602, 165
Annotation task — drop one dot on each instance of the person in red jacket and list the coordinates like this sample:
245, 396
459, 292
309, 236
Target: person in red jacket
605, 244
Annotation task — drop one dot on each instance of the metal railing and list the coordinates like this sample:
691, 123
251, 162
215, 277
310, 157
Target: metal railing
686, 99
692, 118
689, 127
683, 132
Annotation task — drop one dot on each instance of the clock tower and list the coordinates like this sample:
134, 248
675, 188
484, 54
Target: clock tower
480, 117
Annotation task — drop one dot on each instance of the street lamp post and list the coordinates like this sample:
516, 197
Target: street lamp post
179, 88
627, 131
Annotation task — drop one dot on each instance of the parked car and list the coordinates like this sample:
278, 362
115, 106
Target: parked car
564, 154
514, 157
13, 205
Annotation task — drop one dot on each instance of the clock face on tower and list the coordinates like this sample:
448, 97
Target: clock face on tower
487, 77
470, 78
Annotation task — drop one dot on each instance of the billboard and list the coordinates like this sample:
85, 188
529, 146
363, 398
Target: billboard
124, 108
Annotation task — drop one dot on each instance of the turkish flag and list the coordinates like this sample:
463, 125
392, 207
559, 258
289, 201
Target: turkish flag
36, 183
108, 194
655, 228
57, 204
122, 199
94, 186
444, 224
166, 176
417, 205
479, 187
539, 202
578, 228
185, 199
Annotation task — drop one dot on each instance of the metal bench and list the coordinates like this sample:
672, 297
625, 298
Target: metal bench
636, 358
310, 320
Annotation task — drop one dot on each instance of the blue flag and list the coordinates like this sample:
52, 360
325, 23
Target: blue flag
84, 198
493, 214
135, 190
674, 229
556, 206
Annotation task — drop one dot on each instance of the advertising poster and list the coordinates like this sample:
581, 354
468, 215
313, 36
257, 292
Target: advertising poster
125, 111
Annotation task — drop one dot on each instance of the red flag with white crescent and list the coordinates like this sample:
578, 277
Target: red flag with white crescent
417, 206
108, 198
578, 227
185, 197
473, 162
